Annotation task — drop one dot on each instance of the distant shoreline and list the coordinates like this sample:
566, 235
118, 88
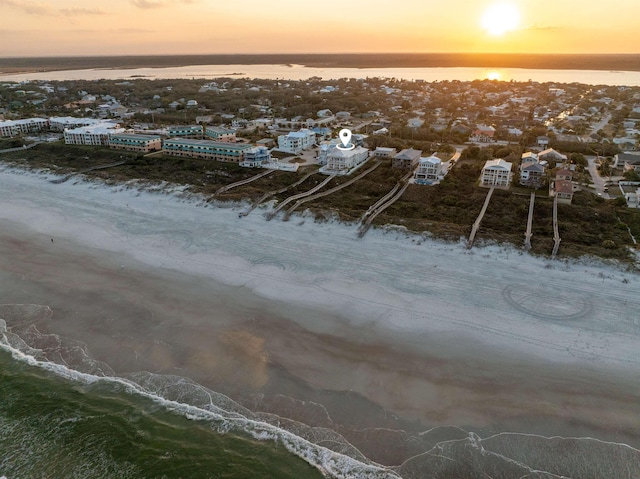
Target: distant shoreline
607, 62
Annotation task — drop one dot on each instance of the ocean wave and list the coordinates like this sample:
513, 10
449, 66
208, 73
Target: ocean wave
441, 452
182, 396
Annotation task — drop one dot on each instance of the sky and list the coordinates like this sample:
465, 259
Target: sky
158, 27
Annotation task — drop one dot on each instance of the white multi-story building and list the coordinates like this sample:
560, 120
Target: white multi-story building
341, 161
256, 156
496, 173
27, 125
296, 141
61, 123
92, 135
428, 170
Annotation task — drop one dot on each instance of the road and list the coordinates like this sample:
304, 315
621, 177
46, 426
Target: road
598, 181
597, 127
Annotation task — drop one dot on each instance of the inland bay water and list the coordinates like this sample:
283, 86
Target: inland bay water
301, 72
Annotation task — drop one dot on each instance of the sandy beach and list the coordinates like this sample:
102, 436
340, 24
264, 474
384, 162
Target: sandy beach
380, 337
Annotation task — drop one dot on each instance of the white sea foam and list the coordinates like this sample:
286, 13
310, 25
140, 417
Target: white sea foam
329, 462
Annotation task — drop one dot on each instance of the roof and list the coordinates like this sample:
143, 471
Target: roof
434, 160
497, 164
534, 167
631, 158
219, 144
408, 154
136, 136
563, 186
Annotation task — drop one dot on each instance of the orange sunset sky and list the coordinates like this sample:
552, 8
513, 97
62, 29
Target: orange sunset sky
121, 27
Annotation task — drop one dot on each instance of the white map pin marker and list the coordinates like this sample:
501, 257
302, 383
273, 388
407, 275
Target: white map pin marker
345, 137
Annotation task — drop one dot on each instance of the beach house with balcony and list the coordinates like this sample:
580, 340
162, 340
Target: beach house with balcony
428, 171
407, 159
496, 173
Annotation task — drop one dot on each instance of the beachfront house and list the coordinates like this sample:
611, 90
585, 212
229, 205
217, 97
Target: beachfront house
341, 161
256, 156
532, 175
428, 170
407, 159
561, 186
496, 173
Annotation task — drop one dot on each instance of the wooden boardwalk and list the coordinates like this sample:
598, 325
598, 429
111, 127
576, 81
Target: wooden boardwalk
269, 194
529, 234
299, 196
331, 191
87, 170
224, 189
383, 203
476, 224
556, 234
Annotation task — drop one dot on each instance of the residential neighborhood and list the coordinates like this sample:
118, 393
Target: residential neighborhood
559, 142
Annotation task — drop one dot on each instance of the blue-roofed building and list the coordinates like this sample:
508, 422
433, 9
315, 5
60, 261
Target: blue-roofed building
220, 133
133, 142
212, 150
188, 131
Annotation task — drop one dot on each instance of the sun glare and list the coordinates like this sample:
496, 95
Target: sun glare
494, 75
500, 18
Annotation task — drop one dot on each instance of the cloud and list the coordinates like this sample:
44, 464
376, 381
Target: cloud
33, 7
82, 11
147, 4
28, 6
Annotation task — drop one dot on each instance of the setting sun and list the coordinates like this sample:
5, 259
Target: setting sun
500, 18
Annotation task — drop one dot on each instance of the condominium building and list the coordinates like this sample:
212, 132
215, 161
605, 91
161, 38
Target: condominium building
61, 123
212, 150
27, 125
188, 131
92, 135
133, 142
220, 133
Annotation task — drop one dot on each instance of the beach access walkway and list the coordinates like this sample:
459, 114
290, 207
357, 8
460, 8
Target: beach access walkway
476, 224
87, 170
20, 148
269, 194
528, 234
224, 189
299, 196
556, 233
329, 192
383, 203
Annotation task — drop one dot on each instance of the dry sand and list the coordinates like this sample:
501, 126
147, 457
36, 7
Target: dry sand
392, 331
